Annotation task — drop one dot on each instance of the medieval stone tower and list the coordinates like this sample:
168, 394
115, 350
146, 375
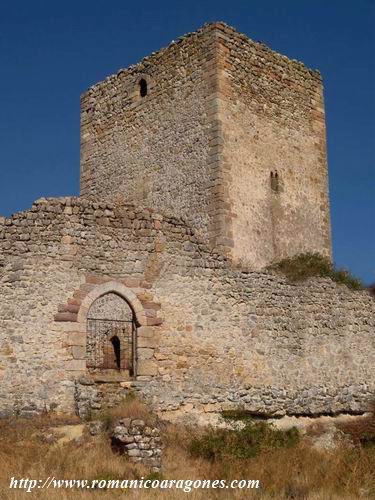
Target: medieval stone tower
220, 131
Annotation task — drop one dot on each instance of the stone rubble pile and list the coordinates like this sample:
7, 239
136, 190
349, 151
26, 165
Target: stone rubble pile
139, 441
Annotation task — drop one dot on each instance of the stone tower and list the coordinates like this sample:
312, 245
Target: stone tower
219, 130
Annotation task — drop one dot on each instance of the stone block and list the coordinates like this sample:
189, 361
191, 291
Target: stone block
154, 321
151, 305
66, 240
75, 365
134, 453
130, 446
151, 342
144, 446
72, 308
76, 339
65, 316
147, 367
75, 302
146, 453
145, 331
79, 352
132, 282
150, 313
145, 353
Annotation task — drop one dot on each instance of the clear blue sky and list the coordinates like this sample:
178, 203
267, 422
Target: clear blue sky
52, 51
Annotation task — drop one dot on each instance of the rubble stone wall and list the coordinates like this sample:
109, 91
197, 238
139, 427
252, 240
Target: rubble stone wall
100, 237
256, 341
209, 336
138, 441
154, 150
33, 359
51, 258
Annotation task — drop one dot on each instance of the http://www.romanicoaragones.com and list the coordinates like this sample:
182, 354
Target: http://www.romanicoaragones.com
185, 485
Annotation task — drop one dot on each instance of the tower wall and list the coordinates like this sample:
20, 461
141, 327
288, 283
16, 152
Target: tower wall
273, 152
155, 150
221, 114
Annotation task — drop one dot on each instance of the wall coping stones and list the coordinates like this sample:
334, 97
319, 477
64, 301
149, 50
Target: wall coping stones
224, 31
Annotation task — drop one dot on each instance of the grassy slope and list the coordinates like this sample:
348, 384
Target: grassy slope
297, 471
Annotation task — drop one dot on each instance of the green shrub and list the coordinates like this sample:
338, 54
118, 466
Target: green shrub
307, 265
368, 440
244, 442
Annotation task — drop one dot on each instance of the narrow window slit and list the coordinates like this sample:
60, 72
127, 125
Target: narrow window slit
143, 88
274, 181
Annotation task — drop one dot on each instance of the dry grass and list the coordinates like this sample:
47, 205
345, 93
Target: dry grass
361, 431
130, 407
299, 472
24, 454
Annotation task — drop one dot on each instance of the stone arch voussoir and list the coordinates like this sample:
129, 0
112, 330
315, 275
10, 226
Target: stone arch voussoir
114, 287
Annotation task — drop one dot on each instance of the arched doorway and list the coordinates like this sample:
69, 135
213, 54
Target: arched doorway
111, 335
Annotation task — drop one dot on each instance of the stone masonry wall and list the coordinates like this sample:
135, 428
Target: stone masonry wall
101, 237
256, 341
209, 337
33, 359
222, 112
138, 441
51, 257
271, 112
155, 150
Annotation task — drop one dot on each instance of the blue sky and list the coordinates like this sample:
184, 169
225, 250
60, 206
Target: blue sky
51, 51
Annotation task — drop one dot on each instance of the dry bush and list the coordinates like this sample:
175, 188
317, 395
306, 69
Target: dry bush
130, 407
362, 430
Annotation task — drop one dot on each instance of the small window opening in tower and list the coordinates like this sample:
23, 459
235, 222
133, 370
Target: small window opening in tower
275, 181
142, 87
